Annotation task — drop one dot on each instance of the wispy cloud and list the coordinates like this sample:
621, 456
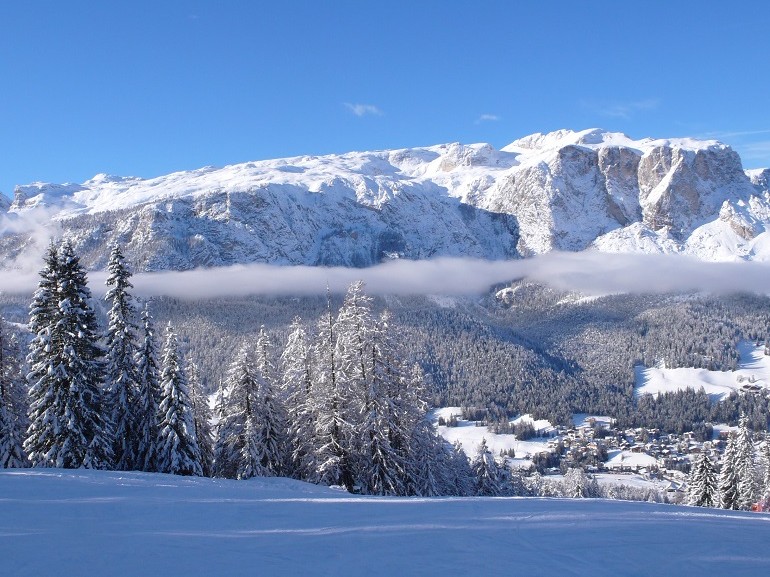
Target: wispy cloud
587, 272
726, 134
487, 118
624, 110
756, 153
363, 109
39, 227
749, 144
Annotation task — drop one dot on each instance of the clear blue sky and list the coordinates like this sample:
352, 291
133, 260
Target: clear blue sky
146, 88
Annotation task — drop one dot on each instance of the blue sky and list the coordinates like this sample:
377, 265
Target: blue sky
146, 88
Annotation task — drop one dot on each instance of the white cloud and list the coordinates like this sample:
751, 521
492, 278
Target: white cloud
38, 227
363, 109
487, 118
624, 110
588, 272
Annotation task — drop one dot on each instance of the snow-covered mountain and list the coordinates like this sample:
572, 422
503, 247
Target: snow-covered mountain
560, 191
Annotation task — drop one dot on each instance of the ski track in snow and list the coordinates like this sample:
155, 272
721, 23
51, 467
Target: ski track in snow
105, 523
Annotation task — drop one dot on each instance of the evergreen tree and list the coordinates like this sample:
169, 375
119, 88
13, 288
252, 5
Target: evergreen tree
269, 410
67, 428
577, 485
332, 429
148, 397
202, 421
353, 353
297, 391
388, 419
122, 380
224, 465
13, 401
728, 479
765, 458
744, 465
486, 472
703, 482
237, 398
428, 471
462, 477
178, 453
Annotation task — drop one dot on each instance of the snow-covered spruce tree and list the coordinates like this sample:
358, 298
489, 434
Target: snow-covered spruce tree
765, 460
67, 428
178, 452
462, 480
270, 412
744, 465
121, 377
333, 431
703, 490
237, 396
728, 477
383, 432
577, 485
148, 396
487, 475
202, 421
296, 388
429, 469
13, 401
354, 330
224, 465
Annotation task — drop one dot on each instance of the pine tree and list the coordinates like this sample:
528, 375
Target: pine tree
487, 475
13, 401
236, 398
297, 391
428, 470
178, 453
148, 397
728, 479
332, 429
744, 465
202, 421
462, 479
122, 380
577, 485
765, 458
386, 422
67, 428
703, 482
270, 412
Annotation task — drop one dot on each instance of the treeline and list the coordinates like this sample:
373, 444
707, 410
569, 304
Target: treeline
341, 405
536, 355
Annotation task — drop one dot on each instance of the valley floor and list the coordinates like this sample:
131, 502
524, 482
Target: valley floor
57, 522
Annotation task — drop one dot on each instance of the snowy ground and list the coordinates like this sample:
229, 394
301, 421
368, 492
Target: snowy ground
470, 437
67, 523
753, 369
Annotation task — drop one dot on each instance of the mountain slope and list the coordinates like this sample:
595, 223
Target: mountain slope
560, 191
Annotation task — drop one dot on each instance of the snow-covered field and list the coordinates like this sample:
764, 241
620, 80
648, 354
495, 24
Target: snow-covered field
470, 436
73, 523
753, 370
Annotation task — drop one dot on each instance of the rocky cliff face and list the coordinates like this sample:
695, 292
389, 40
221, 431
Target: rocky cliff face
560, 191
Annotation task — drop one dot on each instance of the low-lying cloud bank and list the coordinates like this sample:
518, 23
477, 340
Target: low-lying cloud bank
588, 272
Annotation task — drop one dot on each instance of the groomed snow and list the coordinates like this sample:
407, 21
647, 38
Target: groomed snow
753, 371
61, 523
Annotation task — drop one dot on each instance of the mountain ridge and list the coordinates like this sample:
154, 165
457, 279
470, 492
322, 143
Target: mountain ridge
565, 190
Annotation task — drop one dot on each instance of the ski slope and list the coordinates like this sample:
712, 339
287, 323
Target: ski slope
75, 523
